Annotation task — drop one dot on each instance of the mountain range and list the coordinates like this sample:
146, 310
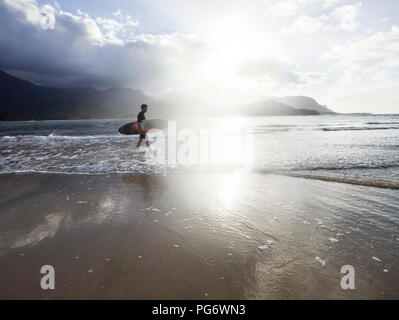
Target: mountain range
23, 100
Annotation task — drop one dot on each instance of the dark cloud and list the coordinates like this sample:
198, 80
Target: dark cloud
51, 47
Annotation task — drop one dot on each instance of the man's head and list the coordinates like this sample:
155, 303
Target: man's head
144, 107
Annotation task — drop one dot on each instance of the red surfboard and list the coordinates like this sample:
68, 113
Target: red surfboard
146, 125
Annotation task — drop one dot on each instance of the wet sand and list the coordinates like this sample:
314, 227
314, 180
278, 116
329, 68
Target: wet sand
195, 237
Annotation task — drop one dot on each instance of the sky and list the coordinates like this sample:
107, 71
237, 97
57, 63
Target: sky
343, 53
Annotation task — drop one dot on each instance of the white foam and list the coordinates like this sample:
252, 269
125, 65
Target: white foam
321, 261
266, 246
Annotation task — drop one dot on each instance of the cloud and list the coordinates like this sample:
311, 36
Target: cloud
347, 16
344, 18
53, 47
43, 17
368, 68
305, 24
379, 50
331, 3
277, 72
285, 8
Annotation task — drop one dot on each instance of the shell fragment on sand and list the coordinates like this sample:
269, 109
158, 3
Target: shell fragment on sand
266, 246
321, 261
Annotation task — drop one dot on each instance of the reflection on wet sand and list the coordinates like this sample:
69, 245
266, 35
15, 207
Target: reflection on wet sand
197, 236
48, 229
151, 185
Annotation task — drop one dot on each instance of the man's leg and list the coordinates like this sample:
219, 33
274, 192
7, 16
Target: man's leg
139, 142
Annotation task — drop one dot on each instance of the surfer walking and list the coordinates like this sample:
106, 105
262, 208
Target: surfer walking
141, 117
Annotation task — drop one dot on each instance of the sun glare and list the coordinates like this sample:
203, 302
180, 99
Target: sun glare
233, 41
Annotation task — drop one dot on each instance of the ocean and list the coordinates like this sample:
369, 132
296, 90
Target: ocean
343, 148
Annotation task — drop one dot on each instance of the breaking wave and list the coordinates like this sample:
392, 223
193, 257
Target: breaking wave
358, 128
334, 178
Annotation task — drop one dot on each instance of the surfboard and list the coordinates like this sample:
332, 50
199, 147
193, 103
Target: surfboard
146, 126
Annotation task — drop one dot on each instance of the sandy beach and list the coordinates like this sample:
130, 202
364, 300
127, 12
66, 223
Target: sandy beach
199, 236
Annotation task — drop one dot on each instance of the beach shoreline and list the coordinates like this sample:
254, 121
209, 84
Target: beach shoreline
195, 236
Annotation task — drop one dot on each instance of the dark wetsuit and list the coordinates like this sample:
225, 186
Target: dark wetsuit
141, 117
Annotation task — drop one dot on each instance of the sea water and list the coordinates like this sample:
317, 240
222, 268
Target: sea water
347, 147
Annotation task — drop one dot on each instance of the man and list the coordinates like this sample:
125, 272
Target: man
141, 117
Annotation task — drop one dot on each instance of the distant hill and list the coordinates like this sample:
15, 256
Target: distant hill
273, 108
301, 102
22, 100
